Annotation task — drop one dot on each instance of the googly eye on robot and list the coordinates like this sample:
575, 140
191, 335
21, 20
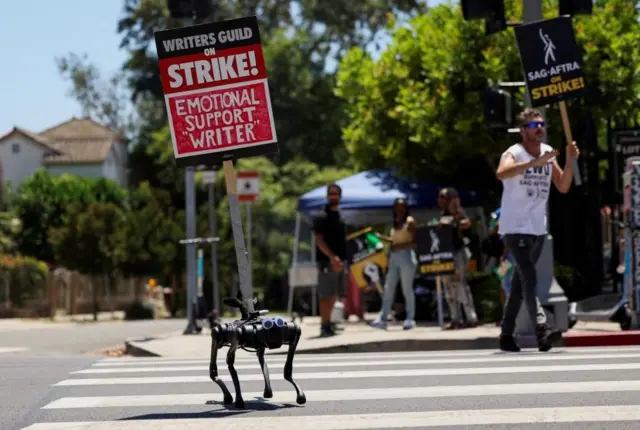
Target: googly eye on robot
259, 334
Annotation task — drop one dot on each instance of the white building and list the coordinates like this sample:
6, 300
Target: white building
79, 146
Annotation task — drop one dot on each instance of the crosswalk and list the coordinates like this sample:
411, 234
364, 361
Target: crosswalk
565, 388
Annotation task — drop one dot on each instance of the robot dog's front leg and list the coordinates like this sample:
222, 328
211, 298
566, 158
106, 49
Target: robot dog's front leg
231, 358
265, 372
217, 341
294, 334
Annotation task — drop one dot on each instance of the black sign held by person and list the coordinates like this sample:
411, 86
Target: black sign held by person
626, 145
435, 250
551, 60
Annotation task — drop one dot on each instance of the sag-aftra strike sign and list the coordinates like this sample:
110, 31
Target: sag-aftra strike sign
551, 61
216, 92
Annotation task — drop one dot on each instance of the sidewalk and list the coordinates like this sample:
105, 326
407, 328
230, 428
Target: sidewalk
359, 337
60, 320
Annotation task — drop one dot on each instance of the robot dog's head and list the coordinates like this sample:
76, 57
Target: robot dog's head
268, 323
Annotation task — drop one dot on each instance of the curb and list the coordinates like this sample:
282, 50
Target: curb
405, 345
136, 351
624, 338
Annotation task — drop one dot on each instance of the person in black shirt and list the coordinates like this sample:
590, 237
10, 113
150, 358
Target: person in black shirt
331, 254
456, 288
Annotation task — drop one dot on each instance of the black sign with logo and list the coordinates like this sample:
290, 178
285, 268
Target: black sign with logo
551, 60
626, 144
435, 250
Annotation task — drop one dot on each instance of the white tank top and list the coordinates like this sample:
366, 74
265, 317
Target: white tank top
524, 197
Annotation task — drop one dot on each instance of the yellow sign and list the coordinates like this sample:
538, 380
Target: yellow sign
557, 87
370, 271
437, 267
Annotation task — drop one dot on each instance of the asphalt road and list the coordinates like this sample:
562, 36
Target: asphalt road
81, 338
592, 388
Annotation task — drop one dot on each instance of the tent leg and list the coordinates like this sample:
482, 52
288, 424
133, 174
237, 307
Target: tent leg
294, 262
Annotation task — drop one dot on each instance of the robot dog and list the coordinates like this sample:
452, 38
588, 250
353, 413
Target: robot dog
259, 334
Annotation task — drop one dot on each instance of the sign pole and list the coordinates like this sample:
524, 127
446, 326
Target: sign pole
567, 133
439, 300
190, 215
238, 235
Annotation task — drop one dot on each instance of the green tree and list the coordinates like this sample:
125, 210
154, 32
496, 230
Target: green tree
419, 107
148, 236
10, 228
87, 242
42, 200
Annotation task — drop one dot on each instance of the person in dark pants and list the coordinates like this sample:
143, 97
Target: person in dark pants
526, 170
331, 241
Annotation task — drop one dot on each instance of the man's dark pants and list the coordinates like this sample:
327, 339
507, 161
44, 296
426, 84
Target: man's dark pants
526, 250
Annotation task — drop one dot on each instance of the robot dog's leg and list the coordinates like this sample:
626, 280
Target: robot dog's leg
213, 368
295, 333
265, 372
231, 358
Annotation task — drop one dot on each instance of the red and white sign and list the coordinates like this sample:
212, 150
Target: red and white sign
248, 186
216, 91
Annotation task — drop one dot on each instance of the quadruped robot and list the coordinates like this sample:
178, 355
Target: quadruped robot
257, 333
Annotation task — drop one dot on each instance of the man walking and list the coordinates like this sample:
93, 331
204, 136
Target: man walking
526, 170
331, 240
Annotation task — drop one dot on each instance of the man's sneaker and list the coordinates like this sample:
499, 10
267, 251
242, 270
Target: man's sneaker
547, 337
326, 330
378, 323
508, 344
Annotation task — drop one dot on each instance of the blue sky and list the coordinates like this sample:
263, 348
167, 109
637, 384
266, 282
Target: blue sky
33, 95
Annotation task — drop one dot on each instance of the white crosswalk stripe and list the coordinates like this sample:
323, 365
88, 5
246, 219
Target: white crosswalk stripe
566, 388
12, 349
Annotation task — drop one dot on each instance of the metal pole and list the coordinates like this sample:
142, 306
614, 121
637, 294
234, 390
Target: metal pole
532, 11
214, 249
190, 221
190, 212
250, 255
200, 271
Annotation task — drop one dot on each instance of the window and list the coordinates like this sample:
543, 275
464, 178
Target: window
16, 148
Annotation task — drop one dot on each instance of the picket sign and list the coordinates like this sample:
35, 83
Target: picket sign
553, 73
217, 95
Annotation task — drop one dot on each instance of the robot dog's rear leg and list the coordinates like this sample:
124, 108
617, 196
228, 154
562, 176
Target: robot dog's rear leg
231, 358
213, 370
265, 372
301, 399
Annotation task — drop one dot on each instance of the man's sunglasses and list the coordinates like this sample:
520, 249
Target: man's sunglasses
534, 124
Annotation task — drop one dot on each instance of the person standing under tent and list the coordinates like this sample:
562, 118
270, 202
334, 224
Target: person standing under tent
526, 170
330, 232
456, 288
403, 263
